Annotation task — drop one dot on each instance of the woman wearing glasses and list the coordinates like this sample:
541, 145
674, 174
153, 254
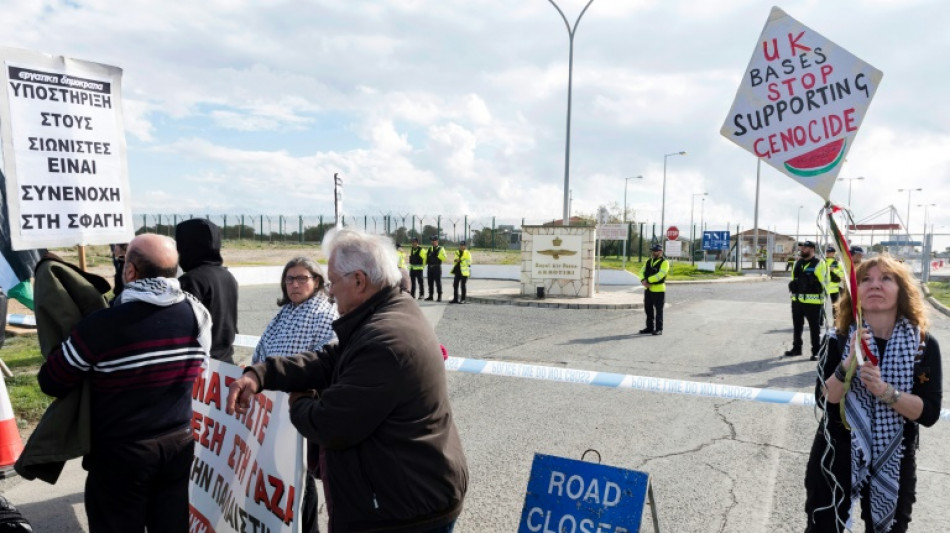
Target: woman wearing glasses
303, 324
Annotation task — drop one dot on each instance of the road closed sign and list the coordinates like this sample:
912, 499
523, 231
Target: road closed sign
63, 151
800, 103
570, 496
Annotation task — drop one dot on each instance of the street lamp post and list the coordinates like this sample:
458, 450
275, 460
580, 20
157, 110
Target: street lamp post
663, 204
692, 235
624, 216
702, 223
907, 222
798, 221
926, 217
570, 79
850, 181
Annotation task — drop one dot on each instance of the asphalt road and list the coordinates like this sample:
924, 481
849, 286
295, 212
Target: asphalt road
717, 465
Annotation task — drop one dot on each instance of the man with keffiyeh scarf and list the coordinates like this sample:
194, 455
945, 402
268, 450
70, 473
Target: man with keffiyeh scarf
869, 456
142, 357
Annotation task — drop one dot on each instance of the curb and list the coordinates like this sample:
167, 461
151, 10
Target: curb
526, 301
933, 301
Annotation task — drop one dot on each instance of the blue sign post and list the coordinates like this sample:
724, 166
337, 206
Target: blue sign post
715, 240
570, 496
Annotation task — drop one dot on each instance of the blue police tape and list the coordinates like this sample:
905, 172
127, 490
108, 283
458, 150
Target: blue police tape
586, 377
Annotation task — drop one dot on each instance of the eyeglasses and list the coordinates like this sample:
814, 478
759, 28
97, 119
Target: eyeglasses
290, 280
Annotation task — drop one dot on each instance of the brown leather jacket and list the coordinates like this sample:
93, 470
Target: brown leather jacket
394, 461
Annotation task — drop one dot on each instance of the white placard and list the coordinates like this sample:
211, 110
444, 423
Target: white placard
556, 257
63, 151
801, 102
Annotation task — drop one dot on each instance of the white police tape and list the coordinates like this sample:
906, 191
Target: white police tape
588, 377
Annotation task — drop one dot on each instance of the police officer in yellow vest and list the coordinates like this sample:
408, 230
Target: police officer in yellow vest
653, 278
807, 289
461, 269
835, 278
417, 263
434, 257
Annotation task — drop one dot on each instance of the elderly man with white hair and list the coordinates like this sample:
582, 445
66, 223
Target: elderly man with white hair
376, 401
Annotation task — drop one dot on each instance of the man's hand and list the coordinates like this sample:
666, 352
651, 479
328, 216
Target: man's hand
240, 392
645, 283
294, 396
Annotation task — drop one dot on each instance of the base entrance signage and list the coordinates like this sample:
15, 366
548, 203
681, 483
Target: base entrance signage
672, 233
570, 496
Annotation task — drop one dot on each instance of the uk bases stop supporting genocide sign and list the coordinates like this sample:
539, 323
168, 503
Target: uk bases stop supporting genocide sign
801, 102
64, 154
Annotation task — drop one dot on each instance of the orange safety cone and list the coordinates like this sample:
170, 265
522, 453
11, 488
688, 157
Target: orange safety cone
10, 443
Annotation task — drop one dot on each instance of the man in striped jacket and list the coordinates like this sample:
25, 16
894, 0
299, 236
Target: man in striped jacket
141, 357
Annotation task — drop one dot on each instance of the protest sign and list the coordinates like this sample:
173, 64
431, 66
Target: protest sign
801, 102
63, 151
247, 474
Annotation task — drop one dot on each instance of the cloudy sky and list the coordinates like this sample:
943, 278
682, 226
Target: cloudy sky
458, 107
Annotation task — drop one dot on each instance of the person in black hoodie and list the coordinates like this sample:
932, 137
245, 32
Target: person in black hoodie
199, 250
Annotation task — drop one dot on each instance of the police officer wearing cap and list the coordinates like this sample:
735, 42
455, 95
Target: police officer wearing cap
417, 263
835, 278
653, 278
434, 257
857, 255
807, 289
462, 269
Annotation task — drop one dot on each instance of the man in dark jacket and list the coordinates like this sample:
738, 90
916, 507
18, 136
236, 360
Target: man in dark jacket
141, 357
377, 401
199, 250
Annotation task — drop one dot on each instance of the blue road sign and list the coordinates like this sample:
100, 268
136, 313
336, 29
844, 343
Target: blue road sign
715, 240
570, 495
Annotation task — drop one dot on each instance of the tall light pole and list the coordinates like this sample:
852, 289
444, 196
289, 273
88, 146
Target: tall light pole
907, 222
570, 79
850, 181
692, 236
663, 205
926, 217
798, 222
624, 217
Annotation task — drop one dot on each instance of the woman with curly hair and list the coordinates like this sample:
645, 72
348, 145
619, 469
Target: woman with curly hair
871, 459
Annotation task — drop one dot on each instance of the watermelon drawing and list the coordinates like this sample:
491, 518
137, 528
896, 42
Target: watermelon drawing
817, 161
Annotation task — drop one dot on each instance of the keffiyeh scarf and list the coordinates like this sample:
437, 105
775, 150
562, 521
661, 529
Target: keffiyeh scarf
164, 292
877, 429
298, 328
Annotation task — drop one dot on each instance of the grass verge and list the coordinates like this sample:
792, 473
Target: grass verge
22, 355
941, 291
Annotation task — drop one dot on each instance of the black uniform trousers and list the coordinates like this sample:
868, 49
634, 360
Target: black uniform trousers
459, 280
415, 276
800, 313
139, 485
435, 278
820, 492
653, 305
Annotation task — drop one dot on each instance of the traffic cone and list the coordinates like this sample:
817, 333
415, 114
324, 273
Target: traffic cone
10, 443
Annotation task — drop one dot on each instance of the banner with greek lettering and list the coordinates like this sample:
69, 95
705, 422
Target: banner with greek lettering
247, 474
63, 151
801, 102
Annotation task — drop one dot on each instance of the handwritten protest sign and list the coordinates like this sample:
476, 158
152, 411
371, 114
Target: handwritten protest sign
801, 102
63, 151
247, 474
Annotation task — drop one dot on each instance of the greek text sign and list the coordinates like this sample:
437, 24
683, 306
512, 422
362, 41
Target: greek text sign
801, 102
63, 151
247, 474
612, 232
566, 495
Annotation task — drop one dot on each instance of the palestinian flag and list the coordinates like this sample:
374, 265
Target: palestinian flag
16, 268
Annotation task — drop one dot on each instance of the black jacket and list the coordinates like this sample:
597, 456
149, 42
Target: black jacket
394, 460
199, 254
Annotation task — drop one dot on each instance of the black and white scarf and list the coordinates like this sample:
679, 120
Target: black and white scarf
877, 429
167, 291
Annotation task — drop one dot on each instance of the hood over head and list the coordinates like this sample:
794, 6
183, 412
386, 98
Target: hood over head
199, 243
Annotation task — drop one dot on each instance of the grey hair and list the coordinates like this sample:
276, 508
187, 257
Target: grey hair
315, 270
351, 249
